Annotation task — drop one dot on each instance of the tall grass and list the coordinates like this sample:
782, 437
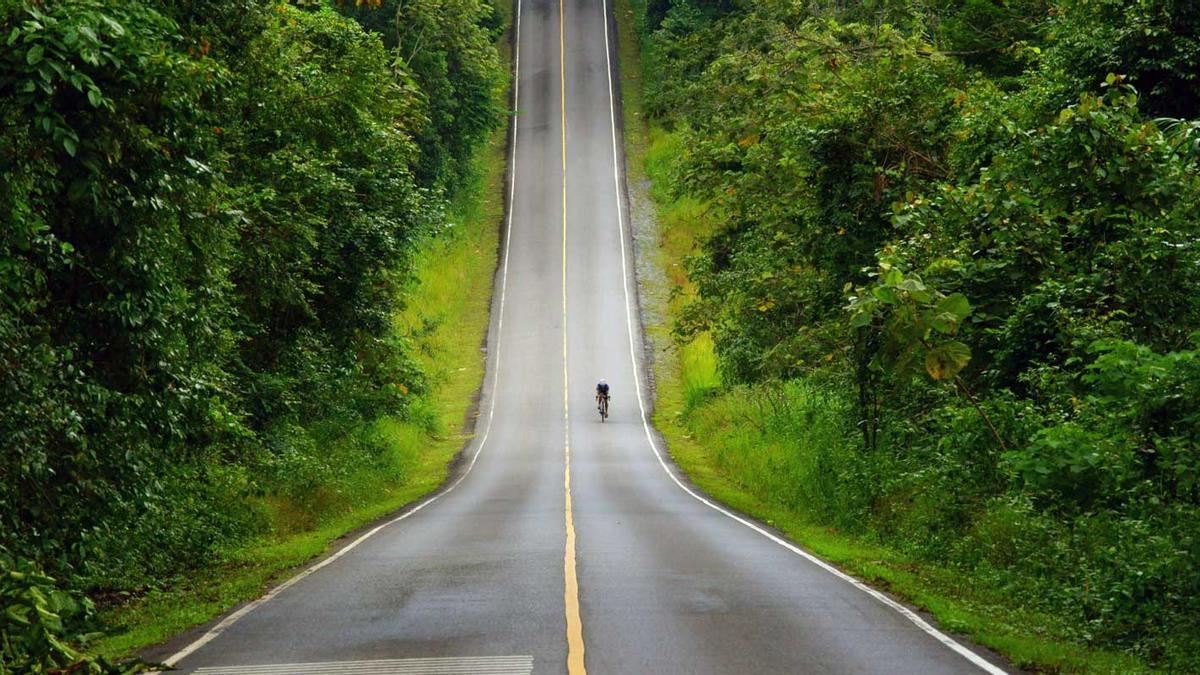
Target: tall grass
447, 312
682, 223
699, 374
788, 444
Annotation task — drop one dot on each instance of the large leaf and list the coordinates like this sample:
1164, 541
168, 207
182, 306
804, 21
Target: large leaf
861, 319
947, 360
885, 294
956, 304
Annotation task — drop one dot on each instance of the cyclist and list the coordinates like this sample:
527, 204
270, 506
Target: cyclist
602, 397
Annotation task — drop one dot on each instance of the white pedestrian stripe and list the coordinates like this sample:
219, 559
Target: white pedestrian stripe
467, 665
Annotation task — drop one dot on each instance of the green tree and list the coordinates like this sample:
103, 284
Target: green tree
447, 50
115, 260
1155, 43
319, 136
816, 129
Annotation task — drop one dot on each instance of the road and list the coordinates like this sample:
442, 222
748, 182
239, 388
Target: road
568, 544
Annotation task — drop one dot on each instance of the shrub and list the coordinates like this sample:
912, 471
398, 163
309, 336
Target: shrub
41, 622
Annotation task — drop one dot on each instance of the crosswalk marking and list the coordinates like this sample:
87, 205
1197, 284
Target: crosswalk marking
464, 665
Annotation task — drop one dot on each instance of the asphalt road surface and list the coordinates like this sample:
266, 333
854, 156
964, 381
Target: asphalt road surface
569, 544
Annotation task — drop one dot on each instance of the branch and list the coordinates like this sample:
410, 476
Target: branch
962, 387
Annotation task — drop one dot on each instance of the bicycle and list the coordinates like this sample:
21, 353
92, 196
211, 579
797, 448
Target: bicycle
603, 407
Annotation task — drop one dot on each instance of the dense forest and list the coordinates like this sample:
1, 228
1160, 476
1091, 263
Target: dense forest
949, 268
209, 213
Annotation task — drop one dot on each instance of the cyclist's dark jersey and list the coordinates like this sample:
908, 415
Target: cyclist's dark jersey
602, 389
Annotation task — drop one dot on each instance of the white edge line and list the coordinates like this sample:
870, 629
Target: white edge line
948, 641
233, 618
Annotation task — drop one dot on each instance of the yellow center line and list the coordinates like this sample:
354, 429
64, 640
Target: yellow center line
575, 662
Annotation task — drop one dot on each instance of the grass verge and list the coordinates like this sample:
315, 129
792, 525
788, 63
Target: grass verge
685, 377
448, 309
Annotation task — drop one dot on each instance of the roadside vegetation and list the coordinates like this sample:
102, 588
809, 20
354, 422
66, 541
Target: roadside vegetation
932, 299
246, 270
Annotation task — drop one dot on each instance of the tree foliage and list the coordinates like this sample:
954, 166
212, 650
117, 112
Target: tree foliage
976, 219
208, 211
448, 46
